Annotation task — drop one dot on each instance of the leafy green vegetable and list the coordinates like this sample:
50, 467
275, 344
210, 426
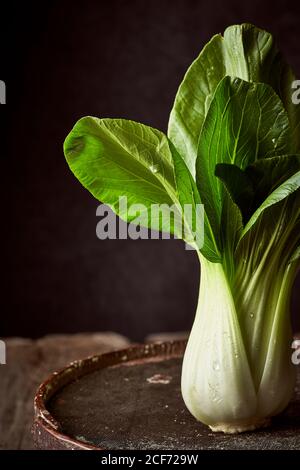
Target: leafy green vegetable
249, 188
245, 122
287, 187
233, 145
245, 52
116, 157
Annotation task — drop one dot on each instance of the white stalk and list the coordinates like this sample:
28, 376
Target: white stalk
219, 381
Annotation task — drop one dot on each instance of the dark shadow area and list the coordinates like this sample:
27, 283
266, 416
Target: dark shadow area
62, 60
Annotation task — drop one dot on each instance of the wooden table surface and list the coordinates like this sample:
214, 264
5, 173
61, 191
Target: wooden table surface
28, 363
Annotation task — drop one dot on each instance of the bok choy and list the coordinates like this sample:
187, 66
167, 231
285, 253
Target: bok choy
233, 145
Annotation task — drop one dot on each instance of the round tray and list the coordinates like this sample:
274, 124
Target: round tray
131, 399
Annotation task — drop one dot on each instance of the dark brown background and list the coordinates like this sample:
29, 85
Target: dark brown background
63, 60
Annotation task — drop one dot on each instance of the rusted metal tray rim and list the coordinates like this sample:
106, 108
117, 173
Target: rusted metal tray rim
46, 426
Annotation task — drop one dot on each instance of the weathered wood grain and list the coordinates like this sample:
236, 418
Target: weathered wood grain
28, 363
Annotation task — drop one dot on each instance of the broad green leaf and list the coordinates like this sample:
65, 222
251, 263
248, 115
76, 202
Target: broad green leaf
250, 187
245, 122
193, 99
188, 194
114, 158
269, 173
238, 184
232, 226
245, 52
289, 186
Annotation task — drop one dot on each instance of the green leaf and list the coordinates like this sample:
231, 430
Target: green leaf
267, 174
245, 52
250, 187
231, 229
188, 194
238, 184
113, 158
289, 186
193, 99
295, 256
245, 122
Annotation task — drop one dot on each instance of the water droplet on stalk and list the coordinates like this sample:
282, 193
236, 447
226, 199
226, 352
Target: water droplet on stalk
216, 365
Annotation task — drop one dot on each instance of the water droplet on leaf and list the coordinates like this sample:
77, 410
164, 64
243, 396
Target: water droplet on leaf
274, 142
154, 168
